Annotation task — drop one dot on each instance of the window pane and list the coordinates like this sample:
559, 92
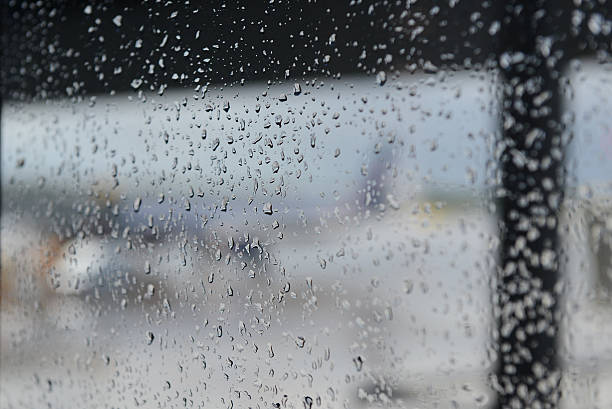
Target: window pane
305, 204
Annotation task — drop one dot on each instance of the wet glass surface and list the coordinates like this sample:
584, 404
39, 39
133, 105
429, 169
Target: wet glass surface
299, 206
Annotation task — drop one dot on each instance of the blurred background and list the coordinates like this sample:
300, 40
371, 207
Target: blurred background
292, 204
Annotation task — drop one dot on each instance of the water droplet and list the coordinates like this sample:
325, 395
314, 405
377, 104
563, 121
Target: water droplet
408, 286
392, 202
358, 363
388, 313
595, 23
267, 209
547, 259
381, 78
136, 83
322, 262
166, 304
300, 342
137, 204
150, 337
494, 27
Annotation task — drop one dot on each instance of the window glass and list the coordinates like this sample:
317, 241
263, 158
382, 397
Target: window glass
305, 204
